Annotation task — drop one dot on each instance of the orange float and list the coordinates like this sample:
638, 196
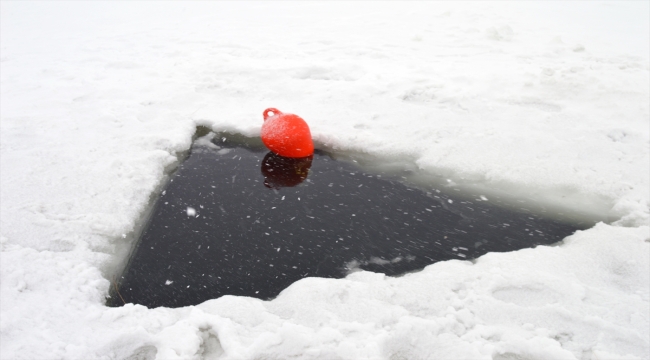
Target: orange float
287, 135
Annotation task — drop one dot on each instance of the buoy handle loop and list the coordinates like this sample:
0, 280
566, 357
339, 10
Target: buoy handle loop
271, 110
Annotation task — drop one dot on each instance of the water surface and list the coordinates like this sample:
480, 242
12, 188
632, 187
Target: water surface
238, 220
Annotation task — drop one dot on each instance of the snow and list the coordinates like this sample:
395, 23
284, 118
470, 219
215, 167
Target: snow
100, 99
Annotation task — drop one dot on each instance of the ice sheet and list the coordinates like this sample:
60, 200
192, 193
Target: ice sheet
98, 100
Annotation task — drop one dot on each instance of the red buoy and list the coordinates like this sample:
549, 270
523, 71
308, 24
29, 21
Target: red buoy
287, 135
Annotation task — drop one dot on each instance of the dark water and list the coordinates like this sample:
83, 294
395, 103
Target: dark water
241, 221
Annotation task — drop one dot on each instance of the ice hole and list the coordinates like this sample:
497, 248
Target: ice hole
256, 225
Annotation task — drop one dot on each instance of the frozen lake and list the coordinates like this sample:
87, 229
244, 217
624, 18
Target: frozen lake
538, 107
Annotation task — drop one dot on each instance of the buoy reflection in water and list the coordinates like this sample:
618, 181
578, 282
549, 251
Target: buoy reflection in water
280, 171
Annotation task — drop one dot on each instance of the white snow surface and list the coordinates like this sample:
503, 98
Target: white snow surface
98, 99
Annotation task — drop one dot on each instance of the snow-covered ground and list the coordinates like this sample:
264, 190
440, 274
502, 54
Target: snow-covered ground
551, 98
